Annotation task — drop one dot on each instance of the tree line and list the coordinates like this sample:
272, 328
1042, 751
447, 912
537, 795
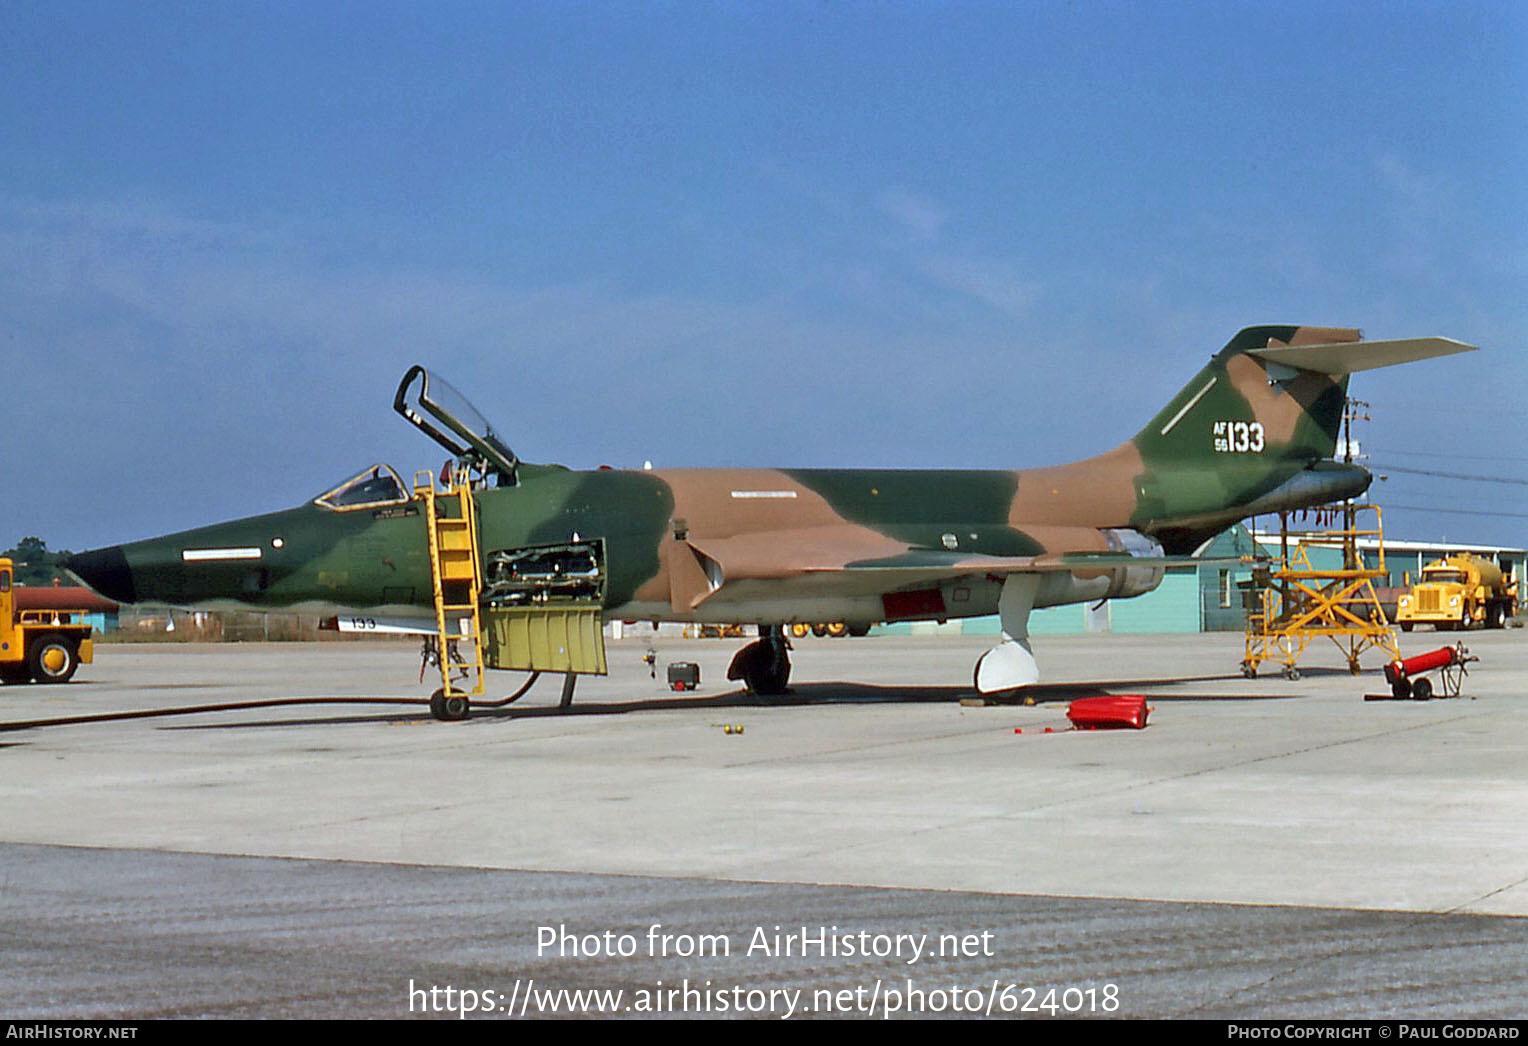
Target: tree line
33, 564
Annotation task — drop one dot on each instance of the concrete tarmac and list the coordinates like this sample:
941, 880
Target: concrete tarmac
1263, 847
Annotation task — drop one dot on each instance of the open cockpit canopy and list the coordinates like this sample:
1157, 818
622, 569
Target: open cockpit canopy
429, 402
369, 488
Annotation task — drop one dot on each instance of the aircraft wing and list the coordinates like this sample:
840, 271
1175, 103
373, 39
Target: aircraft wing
864, 561
950, 563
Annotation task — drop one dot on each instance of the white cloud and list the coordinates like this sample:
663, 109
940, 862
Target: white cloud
994, 282
919, 217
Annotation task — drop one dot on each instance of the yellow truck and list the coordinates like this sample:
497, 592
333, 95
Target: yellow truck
38, 643
1459, 592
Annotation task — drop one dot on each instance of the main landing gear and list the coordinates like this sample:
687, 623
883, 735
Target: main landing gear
1011, 664
764, 666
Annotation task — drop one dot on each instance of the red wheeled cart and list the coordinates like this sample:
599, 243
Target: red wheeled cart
1449, 662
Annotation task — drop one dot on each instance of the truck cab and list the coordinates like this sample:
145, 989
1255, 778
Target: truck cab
1458, 592
38, 645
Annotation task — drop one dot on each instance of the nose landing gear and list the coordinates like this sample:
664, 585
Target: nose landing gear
449, 706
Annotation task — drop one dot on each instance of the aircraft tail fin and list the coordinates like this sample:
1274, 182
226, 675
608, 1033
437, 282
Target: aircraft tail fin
1254, 430
1273, 394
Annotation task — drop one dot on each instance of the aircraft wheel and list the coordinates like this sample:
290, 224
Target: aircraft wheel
53, 660
770, 676
449, 707
763, 666
1421, 690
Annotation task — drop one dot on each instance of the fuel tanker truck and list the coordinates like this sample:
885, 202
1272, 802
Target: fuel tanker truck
1461, 591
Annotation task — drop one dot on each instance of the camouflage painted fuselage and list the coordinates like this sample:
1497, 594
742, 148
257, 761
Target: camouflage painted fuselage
780, 545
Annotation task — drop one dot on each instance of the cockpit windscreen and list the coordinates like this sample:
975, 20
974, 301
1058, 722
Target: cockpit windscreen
378, 485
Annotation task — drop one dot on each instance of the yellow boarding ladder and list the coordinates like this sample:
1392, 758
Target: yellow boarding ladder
456, 571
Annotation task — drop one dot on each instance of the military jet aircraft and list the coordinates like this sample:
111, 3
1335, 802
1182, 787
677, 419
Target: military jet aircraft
1252, 432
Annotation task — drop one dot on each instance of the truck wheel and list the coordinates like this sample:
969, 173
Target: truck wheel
1405, 626
53, 659
14, 674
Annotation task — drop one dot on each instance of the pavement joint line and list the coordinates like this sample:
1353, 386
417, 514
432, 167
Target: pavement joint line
1341, 950
1459, 909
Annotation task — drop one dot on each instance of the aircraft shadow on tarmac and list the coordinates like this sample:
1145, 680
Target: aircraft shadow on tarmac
803, 695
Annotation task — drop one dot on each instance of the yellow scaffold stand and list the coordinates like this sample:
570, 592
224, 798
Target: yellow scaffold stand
1293, 603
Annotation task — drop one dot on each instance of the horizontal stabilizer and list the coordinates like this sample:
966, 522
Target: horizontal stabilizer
1350, 357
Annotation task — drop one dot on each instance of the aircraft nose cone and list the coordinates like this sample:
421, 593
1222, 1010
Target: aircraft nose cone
106, 571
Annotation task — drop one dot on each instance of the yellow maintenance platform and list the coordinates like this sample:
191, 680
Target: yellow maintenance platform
1293, 602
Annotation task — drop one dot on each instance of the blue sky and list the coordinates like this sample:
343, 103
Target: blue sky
755, 234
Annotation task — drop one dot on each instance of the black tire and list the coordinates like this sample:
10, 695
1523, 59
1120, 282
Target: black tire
1421, 690
763, 667
53, 659
1406, 626
15, 674
449, 707
1401, 688
771, 675
1291, 673
1248, 670
859, 631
